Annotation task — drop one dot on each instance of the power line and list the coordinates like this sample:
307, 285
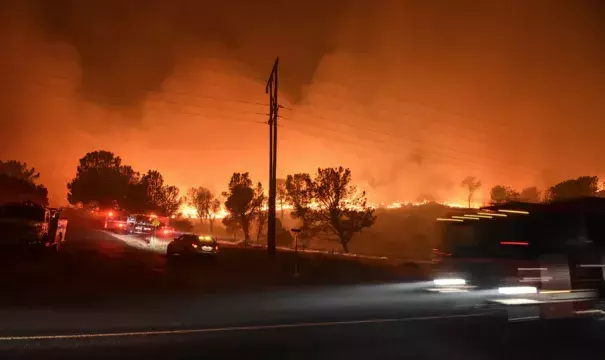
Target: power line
379, 132
210, 98
421, 105
357, 144
394, 136
208, 107
397, 137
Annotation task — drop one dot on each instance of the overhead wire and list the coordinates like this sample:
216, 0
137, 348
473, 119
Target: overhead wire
323, 126
440, 158
312, 115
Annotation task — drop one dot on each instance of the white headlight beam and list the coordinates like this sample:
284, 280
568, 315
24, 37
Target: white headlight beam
449, 282
517, 290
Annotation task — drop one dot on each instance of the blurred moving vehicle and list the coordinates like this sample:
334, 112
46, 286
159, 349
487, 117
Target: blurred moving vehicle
536, 260
27, 226
193, 245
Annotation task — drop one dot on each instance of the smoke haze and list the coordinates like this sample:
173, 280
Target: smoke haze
412, 95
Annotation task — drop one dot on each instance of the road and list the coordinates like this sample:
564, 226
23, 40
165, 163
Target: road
103, 297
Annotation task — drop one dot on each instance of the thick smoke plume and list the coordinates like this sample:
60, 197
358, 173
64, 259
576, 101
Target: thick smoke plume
412, 95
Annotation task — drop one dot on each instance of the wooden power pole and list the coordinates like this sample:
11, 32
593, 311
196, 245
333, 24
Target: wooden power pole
271, 89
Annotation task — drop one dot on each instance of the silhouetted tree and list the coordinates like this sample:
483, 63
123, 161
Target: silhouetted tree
101, 179
299, 194
342, 210
18, 184
170, 202
202, 200
501, 194
215, 207
136, 200
241, 203
281, 196
19, 190
471, 184
574, 188
18, 170
232, 225
160, 197
260, 212
530, 194
153, 182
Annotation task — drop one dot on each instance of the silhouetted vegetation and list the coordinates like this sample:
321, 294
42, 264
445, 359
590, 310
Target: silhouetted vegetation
205, 204
260, 212
18, 184
573, 188
242, 203
530, 194
299, 194
341, 209
281, 194
18, 170
501, 194
325, 207
471, 184
102, 180
160, 197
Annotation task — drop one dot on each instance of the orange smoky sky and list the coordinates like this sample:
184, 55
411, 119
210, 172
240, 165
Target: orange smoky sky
411, 95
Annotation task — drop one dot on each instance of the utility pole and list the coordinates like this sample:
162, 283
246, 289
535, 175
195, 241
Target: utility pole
271, 89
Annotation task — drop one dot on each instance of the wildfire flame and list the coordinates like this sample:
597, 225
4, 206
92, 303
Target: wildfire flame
190, 212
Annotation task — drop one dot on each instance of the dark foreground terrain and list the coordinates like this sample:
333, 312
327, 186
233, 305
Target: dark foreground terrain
103, 297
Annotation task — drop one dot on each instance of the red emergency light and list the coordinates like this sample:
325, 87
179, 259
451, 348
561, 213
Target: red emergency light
519, 243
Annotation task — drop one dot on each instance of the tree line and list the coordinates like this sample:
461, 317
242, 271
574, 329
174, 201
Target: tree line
102, 180
19, 183
583, 186
325, 204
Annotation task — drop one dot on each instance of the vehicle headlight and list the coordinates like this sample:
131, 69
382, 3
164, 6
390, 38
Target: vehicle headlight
449, 282
194, 245
516, 290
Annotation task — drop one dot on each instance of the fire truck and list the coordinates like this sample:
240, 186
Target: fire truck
116, 221
27, 226
534, 260
149, 225
145, 226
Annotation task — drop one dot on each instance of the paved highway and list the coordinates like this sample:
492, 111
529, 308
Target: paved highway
103, 297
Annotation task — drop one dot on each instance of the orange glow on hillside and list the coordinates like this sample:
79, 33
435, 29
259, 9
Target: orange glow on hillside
190, 212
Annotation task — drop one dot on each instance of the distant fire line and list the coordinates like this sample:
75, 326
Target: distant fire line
191, 212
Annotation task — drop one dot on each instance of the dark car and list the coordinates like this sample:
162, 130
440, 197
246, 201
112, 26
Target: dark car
193, 245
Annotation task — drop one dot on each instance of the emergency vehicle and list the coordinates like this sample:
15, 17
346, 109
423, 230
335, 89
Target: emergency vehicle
536, 260
27, 226
116, 221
